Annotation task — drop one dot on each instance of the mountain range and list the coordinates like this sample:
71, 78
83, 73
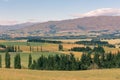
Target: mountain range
95, 25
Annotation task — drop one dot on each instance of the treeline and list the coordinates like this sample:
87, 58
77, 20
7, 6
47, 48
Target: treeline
57, 62
81, 49
98, 49
9, 48
17, 61
69, 62
92, 42
66, 62
43, 41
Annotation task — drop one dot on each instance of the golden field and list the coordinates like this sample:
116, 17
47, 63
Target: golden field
24, 74
112, 41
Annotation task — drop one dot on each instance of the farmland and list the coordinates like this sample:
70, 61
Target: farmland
47, 49
50, 47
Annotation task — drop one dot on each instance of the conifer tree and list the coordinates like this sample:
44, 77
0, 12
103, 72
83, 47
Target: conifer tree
97, 59
17, 61
18, 48
84, 62
30, 61
7, 60
60, 47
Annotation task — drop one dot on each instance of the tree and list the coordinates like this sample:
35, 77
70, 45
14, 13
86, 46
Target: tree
18, 49
0, 61
30, 61
110, 63
60, 47
87, 49
15, 48
7, 60
17, 61
99, 50
10, 49
96, 59
34, 65
102, 60
85, 61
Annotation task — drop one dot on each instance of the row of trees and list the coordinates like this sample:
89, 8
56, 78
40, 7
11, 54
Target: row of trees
67, 62
92, 42
17, 48
31, 48
10, 48
81, 49
17, 61
43, 41
98, 49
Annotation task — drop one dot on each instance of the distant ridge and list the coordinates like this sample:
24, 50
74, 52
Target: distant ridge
77, 26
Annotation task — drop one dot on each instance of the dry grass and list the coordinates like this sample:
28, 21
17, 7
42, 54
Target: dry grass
3, 41
113, 41
69, 46
105, 74
73, 40
77, 54
112, 50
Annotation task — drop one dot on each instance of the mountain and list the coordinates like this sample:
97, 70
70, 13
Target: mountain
81, 26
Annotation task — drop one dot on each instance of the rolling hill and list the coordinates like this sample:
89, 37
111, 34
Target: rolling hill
79, 26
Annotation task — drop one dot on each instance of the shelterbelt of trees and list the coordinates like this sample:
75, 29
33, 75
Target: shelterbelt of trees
69, 62
43, 41
87, 61
88, 49
93, 42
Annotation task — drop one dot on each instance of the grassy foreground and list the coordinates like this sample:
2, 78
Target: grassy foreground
24, 74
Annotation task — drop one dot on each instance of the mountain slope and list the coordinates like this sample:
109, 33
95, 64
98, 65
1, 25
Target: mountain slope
70, 27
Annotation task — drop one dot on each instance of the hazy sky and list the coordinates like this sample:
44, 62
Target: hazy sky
44, 10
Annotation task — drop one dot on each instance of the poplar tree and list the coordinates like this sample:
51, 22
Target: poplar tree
7, 60
60, 47
17, 61
30, 61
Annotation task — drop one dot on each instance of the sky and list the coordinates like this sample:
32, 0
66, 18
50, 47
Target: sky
15, 11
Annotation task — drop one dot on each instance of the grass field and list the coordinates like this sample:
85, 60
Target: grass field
112, 50
24, 74
113, 41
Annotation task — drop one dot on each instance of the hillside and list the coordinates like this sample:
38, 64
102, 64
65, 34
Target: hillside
79, 26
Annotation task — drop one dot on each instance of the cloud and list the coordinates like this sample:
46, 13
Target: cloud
100, 12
